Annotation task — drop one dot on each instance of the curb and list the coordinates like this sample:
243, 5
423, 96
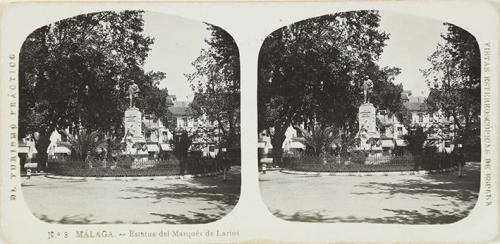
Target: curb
419, 172
131, 178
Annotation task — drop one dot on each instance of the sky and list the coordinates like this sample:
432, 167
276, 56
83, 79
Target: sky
412, 39
178, 42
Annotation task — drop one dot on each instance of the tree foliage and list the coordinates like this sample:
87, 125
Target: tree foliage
75, 74
416, 138
319, 140
216, 83
313, 72
181, 144
455, 82
84, 144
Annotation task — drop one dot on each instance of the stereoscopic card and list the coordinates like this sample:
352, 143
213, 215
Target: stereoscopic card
224, 122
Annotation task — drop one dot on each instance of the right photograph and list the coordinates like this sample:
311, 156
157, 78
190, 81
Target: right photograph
370, 117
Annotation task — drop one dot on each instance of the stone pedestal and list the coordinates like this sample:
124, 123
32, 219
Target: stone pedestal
368, 128
134, 138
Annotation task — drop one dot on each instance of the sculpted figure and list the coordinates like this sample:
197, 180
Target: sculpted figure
132, 92
367, 87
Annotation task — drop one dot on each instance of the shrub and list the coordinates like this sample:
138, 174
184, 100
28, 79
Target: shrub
319, 139
358, 157
405, 162
160, 168
124, 161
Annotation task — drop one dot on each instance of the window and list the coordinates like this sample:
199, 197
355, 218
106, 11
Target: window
211, 148
420, 118
382, 131
184, 122
399, 131
431, 118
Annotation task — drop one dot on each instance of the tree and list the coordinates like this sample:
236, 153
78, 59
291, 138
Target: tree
319, 139
180, 145
312, 72
415, 138
74, 74
85, 144
454, 79
216, 83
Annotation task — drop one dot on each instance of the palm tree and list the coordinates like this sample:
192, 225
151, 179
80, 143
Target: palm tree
84, 143
319, 139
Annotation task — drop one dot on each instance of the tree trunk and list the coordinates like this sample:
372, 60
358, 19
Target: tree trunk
277, 141
41, 145
277, 154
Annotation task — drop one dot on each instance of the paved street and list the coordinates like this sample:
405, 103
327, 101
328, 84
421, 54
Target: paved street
174, 201
409, 199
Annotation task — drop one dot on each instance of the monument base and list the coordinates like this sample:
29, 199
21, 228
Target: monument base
368, 134
134, 138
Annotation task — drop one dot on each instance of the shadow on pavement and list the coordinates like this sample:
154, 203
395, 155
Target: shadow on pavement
401, 216
447, 186
75, 219
221, 195
197, 218
218, 198
459, 195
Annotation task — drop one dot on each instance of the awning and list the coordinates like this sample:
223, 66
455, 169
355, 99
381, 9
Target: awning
266, 160
296, 144
31, 165
165, 147
388, 143
138, 139
60, 149
23, 149
401, 143
264, 144
153, 148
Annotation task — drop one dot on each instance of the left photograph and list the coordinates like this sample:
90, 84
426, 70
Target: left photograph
129, 117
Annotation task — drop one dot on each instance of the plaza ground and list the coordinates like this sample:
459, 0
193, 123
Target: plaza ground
171, 201
406, 199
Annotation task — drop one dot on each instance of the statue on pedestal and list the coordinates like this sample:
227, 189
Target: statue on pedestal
367, 87
132, 92
367, 120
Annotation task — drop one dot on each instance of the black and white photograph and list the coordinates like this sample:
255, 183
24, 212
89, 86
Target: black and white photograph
370, 117
249, 121
129, 117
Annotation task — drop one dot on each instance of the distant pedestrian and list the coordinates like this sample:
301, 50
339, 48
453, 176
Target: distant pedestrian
28, 174
460, 158
226, 164
264, 168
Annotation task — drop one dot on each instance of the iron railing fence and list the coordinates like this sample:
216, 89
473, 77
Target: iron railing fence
130, 167
371, 163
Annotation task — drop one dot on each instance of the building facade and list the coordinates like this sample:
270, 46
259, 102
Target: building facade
440, 129
207, 132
